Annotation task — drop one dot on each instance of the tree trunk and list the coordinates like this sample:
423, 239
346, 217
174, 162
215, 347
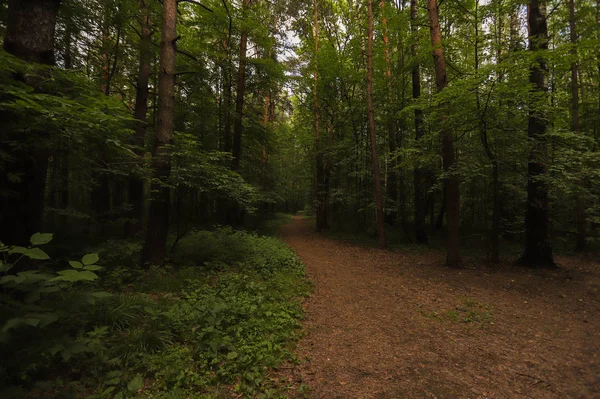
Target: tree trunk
227, 83
538, 249
30, 28
136, 183
158, 218
420, 175
372, 135
321, 187
581, 220
451, 181
483, 133
241, 90
392, 176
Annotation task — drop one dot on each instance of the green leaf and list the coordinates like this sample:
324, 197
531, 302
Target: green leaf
17, 250
90, 259
92, 267
136, 384
4, 267
41, 238
74, 275
36, 253
76, 265
232, 355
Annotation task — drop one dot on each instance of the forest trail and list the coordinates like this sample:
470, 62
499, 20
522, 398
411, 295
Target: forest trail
385, 324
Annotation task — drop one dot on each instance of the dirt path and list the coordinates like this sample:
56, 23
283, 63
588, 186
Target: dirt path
386, 324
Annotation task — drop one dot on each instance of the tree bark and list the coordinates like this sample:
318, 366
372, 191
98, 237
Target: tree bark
158, 218
391, 214
321, 187
581, 220
538, 249
494, 232
30, 28
239, 99
451, 181
373, 138
420, 175
136, 183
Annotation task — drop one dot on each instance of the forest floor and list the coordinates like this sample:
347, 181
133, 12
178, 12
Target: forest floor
385, 324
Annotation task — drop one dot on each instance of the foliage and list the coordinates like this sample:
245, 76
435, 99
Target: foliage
214, 326
40, 308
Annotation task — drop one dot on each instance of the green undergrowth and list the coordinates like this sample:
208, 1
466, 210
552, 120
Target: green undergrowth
271, 226
211, 325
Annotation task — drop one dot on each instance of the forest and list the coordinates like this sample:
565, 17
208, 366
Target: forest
290, 199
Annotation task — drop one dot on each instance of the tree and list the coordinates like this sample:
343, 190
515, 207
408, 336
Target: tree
158, 218
581, 219
29, 36
420, 175
538, 249
136, 184
241, 90
451, 181
372, 135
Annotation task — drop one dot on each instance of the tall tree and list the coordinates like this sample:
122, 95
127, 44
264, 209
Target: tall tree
538, 249
372, 134
580, 216
29, 36
494, 233
451, 180
158, 218
420, 175
241, 91
136, 183
321, 180
392, 176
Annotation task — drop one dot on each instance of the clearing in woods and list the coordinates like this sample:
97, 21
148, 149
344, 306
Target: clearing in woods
385, 324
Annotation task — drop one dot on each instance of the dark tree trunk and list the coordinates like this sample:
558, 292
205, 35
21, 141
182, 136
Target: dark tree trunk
373, 138
451, 181
239, 98
29, 36
322, 186
581, 219
227, 83
538, 249
494, 232
420, 175
30, 29
392, 177
158, 217
136, 183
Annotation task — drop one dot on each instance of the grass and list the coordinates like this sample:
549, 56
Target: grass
468, 310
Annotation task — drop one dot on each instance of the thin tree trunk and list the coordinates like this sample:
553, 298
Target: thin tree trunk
136, 183
158, 218
538, 249
321, 181
29, 35
373, 138
581, 219
239, 99
483, 133
420, 175
227, 83
451, 181
392, 176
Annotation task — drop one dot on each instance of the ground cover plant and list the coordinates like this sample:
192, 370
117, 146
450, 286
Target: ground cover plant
209, 329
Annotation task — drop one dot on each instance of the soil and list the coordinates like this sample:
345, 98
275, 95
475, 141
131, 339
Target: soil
385, 324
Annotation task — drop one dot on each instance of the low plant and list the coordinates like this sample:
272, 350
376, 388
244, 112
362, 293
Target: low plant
40, 309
